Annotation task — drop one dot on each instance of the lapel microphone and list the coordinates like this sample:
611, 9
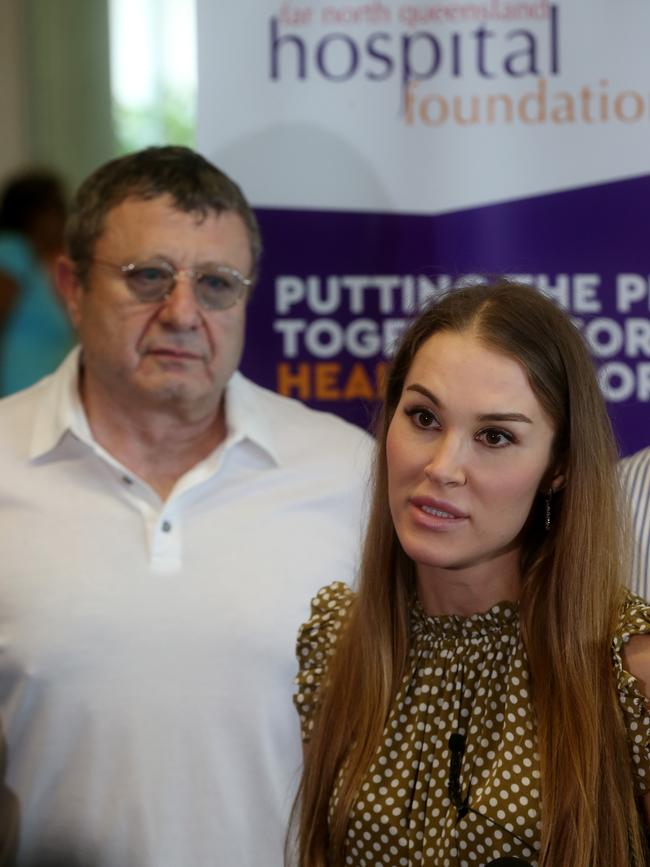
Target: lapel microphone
456, 745
457, 750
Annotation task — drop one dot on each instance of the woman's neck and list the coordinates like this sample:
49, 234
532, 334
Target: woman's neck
469, 590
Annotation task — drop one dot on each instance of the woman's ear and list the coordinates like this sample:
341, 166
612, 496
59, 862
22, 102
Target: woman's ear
554, 480
558, 481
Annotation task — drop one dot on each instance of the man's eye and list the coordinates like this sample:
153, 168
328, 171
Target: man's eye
150, 274
147, 277
495, 438
215, 282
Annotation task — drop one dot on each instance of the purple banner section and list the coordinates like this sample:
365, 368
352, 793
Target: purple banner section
337, 289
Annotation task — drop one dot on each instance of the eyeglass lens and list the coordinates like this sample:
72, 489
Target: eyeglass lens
216, 287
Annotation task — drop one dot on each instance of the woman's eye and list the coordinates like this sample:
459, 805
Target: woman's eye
423, 418
495, 438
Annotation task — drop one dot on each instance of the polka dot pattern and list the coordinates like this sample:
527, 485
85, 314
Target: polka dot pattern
466, 675
635, 620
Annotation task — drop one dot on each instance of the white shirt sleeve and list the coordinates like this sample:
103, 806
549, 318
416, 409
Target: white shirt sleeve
635, 476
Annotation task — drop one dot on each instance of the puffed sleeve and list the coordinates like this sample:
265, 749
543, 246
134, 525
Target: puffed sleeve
316, 643
635, 620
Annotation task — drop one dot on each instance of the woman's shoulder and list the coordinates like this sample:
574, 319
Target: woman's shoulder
317, 637
631, 651
633, 619
330, 605
631, 644
317, 640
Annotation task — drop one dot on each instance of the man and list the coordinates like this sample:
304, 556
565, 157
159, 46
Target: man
635, 473
163, 525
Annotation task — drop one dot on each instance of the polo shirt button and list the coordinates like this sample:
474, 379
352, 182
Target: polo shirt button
127, 480
166, 527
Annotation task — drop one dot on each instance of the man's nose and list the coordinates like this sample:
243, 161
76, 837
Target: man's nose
180, 309
446, 462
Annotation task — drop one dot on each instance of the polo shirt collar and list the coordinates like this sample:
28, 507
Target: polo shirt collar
246, 419
60, 412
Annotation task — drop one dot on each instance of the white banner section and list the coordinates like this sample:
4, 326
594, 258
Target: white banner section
423, 107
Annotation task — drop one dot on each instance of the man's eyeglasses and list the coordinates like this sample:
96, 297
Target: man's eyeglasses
216, 287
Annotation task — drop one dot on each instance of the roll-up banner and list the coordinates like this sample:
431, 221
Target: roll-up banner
392, 150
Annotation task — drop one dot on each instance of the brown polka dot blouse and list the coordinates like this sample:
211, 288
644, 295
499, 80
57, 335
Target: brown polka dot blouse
467, 676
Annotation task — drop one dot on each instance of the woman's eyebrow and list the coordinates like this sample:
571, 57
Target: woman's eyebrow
505, 416
425, 391
488, 416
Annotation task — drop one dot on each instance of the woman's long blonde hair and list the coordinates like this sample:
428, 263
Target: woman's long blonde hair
570, 599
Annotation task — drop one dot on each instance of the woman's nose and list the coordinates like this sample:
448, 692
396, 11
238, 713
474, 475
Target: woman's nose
446, 465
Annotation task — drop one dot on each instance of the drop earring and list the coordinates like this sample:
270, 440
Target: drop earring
547, 517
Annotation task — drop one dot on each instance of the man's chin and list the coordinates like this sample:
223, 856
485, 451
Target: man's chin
170, 389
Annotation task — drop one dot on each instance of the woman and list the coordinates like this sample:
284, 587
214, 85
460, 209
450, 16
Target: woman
475, 701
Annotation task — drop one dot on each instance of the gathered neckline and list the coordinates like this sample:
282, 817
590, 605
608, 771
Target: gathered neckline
501, 616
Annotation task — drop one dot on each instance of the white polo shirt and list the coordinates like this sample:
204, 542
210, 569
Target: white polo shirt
147, 648
635, 474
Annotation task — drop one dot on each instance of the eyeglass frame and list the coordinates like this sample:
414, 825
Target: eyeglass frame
243, 283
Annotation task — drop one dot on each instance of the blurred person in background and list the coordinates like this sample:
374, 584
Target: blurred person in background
35, 333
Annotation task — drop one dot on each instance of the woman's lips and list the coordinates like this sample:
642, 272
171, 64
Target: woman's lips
438, 508
437, 513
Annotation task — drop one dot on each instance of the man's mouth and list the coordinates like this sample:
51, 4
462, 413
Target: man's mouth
173, 353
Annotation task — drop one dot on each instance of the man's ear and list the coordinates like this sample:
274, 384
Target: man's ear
69, 288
